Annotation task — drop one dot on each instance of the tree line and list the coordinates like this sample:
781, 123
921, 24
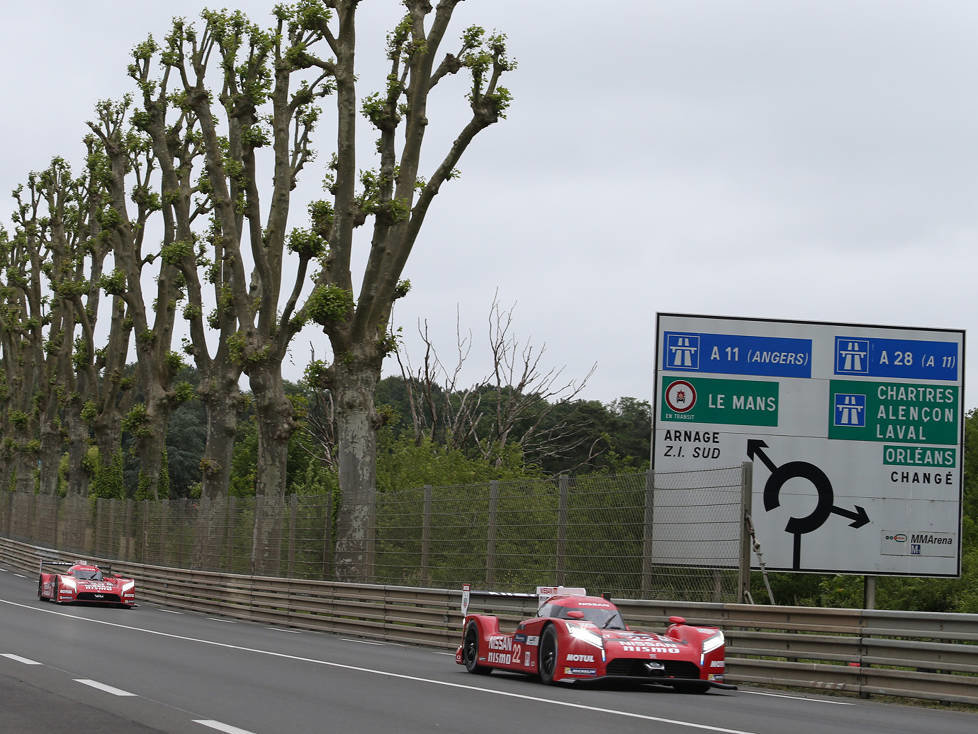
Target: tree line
181, 221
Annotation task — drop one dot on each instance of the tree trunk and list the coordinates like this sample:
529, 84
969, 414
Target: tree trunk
78, 474
276, 423
24, 464
220, 395
50, 457
356, 422
152, 443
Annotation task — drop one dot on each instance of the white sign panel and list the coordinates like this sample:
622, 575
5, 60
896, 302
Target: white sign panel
855, 433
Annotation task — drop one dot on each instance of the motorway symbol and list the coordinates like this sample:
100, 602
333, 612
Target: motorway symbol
824, 507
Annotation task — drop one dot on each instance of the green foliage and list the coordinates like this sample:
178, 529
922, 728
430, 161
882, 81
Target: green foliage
316, 374
174, 362
114, 284
329, 304
404, 464
244, 460
107, 480
174, 252
136, 421
402, 289
306, 243
145, 483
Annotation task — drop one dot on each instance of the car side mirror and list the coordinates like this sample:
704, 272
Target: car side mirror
677, 620
575, 614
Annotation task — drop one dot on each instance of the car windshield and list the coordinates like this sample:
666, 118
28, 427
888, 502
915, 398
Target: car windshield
87, 574
608, 619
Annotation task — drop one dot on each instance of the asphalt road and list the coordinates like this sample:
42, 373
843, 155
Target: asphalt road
91, 669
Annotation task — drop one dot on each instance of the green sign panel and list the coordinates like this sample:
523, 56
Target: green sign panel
731, 402
919, 456
894, 413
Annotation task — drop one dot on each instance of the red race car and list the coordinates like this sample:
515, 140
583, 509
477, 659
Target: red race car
576, 637
84, 582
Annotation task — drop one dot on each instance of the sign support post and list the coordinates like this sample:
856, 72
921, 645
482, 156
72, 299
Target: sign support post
743, 574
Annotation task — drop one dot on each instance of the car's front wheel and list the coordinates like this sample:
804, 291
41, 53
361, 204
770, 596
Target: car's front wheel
470, 650
548, 655
40, 586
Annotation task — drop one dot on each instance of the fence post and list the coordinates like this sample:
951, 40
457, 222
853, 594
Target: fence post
647, 533
426, 537
491, 533
743, 571
563, 485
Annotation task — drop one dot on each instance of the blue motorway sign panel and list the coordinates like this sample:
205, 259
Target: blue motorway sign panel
736, 354
912, 359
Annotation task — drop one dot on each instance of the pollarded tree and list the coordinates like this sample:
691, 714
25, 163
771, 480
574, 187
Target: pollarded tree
24, 315
397, 199
131, 162
249, 88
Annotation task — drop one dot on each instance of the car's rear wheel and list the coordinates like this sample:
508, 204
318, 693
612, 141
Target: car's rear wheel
692, 687
470, 650
548, 655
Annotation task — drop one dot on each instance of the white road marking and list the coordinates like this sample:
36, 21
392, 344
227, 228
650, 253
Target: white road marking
445, 653
279, 629
20, 575
218, 619
103, 687
168, 611
362, 642
19, 659
385, 673
221, 727
800, 698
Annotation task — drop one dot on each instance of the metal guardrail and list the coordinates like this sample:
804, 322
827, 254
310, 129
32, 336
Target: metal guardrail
860, 651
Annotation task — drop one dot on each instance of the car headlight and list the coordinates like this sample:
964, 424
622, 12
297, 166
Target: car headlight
712, 642
585, 635
69, 583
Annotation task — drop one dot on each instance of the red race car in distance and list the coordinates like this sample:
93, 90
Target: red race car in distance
83, 582
576, 637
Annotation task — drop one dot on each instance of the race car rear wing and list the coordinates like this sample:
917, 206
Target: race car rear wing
42, 562
542, 595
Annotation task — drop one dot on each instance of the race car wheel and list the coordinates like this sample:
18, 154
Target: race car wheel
470, 651
548, 655
693, 687
40, 583
54, 594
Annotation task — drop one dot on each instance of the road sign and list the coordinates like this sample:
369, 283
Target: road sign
855, 432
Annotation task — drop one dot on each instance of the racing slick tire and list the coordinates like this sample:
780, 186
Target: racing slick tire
40, 583
692, 687
54, 594
547, 662
470, 650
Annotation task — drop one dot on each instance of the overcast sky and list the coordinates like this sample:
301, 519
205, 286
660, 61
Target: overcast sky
785, 159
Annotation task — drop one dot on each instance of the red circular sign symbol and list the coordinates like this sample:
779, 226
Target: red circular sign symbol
680, 396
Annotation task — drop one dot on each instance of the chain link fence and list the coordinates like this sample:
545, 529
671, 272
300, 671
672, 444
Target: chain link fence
633, 535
